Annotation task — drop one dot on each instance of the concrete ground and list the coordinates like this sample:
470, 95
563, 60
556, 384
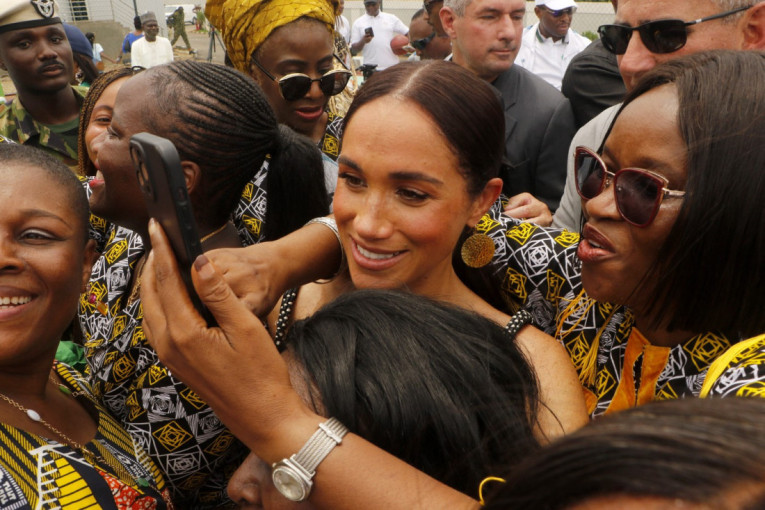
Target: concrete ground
200, 41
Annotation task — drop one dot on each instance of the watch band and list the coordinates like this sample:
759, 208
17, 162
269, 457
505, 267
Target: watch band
327, 436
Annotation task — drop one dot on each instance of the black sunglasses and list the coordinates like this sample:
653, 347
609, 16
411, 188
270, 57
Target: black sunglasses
660, 36
421, 44
295, 86
558, 14
638, 192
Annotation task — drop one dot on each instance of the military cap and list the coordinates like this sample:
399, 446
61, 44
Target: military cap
18, 14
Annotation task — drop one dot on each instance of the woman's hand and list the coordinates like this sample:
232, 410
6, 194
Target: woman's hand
261, 273
235, 367
527, 208
253, 274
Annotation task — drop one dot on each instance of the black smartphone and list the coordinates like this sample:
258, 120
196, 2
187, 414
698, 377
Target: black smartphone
369, 31
162, 182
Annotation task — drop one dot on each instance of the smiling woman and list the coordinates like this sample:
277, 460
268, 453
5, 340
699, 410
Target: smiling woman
48, 416
280, 42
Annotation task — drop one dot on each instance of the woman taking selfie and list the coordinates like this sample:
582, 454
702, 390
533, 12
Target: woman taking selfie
222, 127
719, 216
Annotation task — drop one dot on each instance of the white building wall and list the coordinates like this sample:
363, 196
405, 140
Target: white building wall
121, 11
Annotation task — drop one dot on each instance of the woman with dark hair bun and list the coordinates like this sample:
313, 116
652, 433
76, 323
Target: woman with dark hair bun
401, 214
436, 386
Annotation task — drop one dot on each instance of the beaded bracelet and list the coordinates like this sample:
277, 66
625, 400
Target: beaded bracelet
331, 224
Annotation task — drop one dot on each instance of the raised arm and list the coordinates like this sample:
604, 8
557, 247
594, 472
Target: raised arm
238, 371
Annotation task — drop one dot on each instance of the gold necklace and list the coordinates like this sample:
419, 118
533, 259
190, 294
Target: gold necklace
214, 232
35, 417
136, 290
93, 458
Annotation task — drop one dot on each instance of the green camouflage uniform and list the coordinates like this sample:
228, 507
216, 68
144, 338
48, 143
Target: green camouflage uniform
17, 125
178, 22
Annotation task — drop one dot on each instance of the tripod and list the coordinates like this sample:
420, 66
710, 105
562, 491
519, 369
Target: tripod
213, 37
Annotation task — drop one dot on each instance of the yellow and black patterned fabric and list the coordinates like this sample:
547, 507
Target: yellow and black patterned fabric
36, 472
194, 450
739, 372
250, 213
179, 431
245, 24
538, 268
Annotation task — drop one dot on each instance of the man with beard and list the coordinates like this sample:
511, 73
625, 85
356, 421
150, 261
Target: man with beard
549, 45
36, 53
539, 123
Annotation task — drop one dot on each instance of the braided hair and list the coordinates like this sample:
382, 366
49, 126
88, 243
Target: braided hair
84, 164
219, 118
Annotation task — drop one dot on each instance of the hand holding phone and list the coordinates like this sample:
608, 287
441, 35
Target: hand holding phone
369, 32
163, 184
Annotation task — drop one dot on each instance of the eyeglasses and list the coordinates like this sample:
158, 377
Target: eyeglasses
295, 86
557, 14
421, 44
638, 192
660, 36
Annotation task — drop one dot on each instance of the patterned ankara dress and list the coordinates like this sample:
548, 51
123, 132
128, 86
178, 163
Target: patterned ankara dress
36, 472
739, 372
617, 366
177, 429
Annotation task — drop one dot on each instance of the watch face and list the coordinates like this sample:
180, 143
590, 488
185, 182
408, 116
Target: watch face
289, 483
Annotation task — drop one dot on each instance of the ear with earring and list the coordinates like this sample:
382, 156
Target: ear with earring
477, 250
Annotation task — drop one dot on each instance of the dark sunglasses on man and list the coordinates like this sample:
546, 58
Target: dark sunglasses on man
638, 192
569, 11
421, 44
660, 36
295, 86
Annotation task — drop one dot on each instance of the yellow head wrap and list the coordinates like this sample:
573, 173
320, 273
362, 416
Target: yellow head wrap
245, 24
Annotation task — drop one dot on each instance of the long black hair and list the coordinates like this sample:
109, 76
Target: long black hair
693, 450
439, 387
708, 273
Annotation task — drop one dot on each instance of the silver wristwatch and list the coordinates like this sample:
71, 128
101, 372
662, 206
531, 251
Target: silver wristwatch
293, 477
